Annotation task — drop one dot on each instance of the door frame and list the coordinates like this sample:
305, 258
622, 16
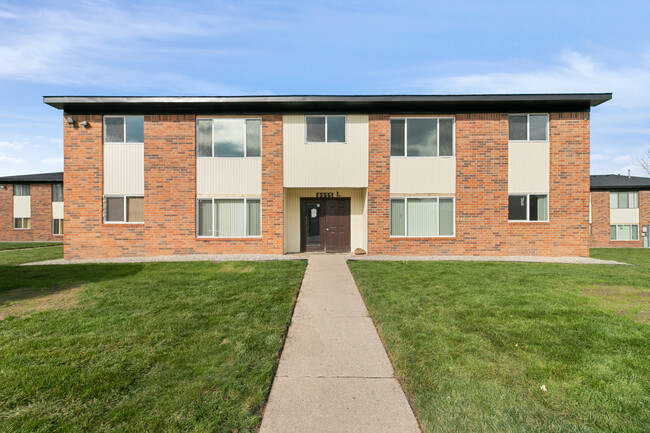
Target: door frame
323, 224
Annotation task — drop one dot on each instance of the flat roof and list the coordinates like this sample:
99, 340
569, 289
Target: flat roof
369, 104
606, 182
34, 178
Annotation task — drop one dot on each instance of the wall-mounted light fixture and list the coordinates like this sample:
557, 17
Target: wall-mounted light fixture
70, 120
84, 123
2, 187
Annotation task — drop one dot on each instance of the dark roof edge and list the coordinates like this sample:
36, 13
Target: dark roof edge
593, 99
34, 178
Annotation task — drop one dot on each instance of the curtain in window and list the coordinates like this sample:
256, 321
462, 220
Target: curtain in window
446, 217
205, 218
229, 218
135, 209
397, 217
422, 218
253, 220
115, 209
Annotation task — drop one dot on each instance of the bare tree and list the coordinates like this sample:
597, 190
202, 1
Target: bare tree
644, 161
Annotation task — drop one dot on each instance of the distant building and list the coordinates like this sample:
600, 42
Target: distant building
620, 211
388, 174
31, 207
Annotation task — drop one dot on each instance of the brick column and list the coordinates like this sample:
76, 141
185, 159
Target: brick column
272, 186
378, 183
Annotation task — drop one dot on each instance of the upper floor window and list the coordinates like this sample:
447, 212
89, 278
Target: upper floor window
57, 192
528, 127
229, 138
624, 199
21, 189
422, 136
325, 129
124, 129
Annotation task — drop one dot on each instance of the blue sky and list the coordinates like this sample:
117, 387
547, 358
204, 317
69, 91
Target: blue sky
320, 47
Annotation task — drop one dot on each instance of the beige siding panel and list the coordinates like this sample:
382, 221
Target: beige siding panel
326, 164
528, 167
124, 169
57, 210
229, 177
422, 175
22, 206
624, 216
358, 215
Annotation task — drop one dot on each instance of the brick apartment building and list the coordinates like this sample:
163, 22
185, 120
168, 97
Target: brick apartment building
426, 175
620, 211
31, 207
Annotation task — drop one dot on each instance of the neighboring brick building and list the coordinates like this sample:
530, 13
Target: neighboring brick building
620, 211
427, 175
31, 207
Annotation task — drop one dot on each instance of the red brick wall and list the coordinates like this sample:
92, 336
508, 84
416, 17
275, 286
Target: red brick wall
600, 223
41, 215
170, 193
482, 226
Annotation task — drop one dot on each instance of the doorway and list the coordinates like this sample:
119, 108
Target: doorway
325, 224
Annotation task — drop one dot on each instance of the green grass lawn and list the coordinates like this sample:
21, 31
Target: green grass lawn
15, 257
473, 343
140, 347
21, 245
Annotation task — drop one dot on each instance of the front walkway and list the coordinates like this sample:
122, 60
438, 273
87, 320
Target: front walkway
334, 374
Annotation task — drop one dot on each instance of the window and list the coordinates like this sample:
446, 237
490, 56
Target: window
528, 127
528, 207
21, 189
123, 209
22, 223
325, 129
57, 192
57, 226
124, 129
227, 218
624, 232
624, 199
229, 138
420, 136
422, 216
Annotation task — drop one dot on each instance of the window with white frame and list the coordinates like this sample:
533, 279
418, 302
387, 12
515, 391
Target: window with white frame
57, 226
624, 200
57, 192
229, 138
21, 189
528, 207
22, 223
229, 217
123, 209
325, 129
422, 216
422, 136
528, 127
624, 232
123, 129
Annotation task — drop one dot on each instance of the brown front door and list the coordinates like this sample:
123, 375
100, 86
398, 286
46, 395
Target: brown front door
325, 225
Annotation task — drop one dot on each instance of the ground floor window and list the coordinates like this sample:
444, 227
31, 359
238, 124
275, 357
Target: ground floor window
527, 207
22, 223
422, 216
227, 218
624, 232
57, 226
123, 209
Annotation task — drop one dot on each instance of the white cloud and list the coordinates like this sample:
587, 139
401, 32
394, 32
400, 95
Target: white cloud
622, 159
10, 159
599, 156
53, 161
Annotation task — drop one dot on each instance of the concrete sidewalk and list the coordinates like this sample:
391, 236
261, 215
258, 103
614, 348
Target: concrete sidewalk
334, 374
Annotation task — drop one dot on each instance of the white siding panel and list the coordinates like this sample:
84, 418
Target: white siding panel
422, 175
57, 210
124, 169
22, 206
358, 215
528, 167
229, 177
326, 164
624, 216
